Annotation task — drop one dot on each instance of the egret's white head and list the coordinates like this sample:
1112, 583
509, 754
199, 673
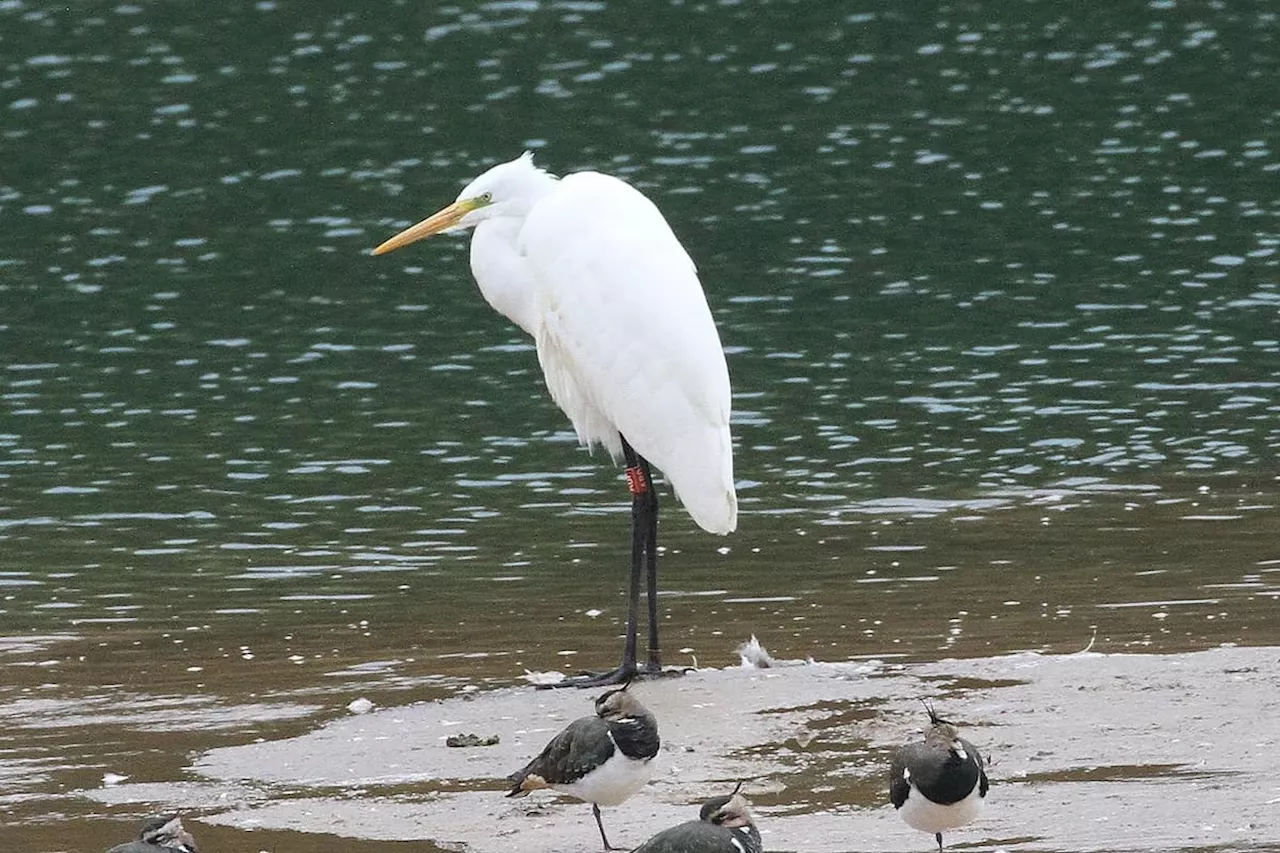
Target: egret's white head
508, 189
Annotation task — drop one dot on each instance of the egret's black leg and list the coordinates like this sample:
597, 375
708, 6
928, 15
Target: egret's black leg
638, 480
654, 663
644, 559
939, 837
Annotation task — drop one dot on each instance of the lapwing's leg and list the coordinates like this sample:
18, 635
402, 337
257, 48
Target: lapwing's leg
595, 810
939, 837
644, 507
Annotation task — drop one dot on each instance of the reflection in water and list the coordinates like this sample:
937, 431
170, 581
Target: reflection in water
998, 288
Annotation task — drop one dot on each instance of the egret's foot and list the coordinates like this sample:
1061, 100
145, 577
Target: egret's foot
621, 675
655, 669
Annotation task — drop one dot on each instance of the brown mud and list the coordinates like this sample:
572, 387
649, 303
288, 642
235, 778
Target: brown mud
1087, 751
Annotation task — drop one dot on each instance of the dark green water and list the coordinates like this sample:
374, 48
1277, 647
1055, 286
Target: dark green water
999, 285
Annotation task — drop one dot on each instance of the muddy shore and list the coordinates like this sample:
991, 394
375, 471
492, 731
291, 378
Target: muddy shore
1087, 751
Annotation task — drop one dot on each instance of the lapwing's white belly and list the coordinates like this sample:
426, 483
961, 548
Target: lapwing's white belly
927, 816
612, 782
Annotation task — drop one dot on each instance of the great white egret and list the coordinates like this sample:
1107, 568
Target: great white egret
590, 269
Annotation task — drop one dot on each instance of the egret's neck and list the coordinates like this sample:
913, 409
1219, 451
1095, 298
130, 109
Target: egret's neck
501, 272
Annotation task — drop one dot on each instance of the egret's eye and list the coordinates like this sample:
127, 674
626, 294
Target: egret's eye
485, 198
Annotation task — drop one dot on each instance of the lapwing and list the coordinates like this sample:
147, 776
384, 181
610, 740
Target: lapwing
162, 834
601, 760
724, 825
938, 783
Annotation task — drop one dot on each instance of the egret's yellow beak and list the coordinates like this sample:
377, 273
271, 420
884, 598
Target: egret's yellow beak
435, 223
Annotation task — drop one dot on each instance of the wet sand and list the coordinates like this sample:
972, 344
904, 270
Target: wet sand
1087, 752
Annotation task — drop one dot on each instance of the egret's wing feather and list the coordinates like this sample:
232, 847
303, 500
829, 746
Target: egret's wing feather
570, 389
627, 341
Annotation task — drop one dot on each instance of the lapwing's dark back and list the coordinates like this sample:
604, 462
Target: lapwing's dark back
725, 825
943, 782
579, 748
939, 783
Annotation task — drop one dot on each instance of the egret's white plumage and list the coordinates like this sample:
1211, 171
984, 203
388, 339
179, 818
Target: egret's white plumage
590, 269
